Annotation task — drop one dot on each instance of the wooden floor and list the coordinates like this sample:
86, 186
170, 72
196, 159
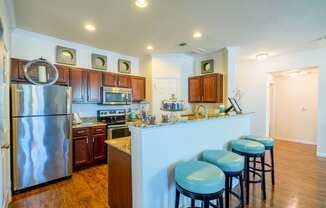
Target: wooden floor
300, 182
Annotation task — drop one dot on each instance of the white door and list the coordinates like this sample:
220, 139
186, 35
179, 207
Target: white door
163, 89
4, 126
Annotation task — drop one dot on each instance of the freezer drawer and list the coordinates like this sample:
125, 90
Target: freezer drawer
41, 150
35, 100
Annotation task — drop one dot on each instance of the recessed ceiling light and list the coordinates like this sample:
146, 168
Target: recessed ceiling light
197, 35
90, 27
149, 47
141, 3
262, 56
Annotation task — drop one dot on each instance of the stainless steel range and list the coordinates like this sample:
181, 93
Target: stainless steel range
117, 123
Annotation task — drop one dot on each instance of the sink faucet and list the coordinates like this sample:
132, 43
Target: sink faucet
199, 107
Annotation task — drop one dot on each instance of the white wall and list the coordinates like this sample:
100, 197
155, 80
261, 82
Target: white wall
296, 108
6, 15
252, 81
220, 61
165, 68
29, 45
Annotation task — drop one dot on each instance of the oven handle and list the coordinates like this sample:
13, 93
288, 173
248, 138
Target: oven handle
122, 126
115, 127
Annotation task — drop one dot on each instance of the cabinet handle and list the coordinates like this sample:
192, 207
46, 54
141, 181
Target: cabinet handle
93, 140
87, 140
97, 130
80, 132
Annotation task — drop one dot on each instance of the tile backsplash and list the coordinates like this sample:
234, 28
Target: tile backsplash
90, 110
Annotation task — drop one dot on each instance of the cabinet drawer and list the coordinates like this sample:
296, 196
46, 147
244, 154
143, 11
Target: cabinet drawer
98, 130
80, 132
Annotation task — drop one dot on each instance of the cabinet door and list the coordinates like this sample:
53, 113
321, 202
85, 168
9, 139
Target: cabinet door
78, 78
63, 74
94, 84
14, 69
99, 147
138, 88
209, 88
123, 81
33, 70
194, 89
110, 79
81, 151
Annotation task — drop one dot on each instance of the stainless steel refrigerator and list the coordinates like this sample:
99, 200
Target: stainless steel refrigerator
41, 134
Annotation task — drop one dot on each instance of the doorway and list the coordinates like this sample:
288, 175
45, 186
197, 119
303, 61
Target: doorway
294, 105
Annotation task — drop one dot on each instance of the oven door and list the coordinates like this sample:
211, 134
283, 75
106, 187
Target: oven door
115, 96
118, 131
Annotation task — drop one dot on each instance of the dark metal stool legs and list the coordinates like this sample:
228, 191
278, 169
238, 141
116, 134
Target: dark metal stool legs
177, 198
205, 198
228, 188
260, 172
272, 161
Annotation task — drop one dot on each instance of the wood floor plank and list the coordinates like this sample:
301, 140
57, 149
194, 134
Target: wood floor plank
300, 183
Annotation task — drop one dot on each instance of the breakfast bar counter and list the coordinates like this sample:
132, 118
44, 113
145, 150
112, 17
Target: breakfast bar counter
156, 149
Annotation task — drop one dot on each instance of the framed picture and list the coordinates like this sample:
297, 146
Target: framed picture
99, 61
235, 105
65, 55
124, 66
207, 66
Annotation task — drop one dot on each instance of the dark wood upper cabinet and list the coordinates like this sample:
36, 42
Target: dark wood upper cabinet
94, 84
17, 70
194, 89
116, 80
14, 69
206, 89
123, 81
138, 86
63, 74
78, 83
110, 79
209, 88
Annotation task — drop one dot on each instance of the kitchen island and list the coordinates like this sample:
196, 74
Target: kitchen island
120, 182
156, 149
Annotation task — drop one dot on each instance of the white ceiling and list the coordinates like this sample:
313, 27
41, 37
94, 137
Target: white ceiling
274, 26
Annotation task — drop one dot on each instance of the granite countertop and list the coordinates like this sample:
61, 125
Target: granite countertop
88, 122
189, 118
123, 144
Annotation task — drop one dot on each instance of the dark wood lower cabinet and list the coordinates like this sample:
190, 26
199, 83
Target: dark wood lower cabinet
88, 146
99, 147
81, 151
120, 181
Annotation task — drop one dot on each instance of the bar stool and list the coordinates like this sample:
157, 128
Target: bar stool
268, 142
199, 180
251, 149
232, 165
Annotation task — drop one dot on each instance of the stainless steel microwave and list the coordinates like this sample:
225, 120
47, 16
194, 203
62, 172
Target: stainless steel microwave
116, 96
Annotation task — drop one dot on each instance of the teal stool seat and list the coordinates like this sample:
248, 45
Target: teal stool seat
199, 177
225, 160
267, 141
248, 146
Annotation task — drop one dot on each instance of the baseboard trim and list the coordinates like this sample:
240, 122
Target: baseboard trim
295, 141
321, 154
7, 199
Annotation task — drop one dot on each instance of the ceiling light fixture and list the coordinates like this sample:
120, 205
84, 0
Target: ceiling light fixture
197, 35
261, 56
141, 3
90, 27
149, 47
